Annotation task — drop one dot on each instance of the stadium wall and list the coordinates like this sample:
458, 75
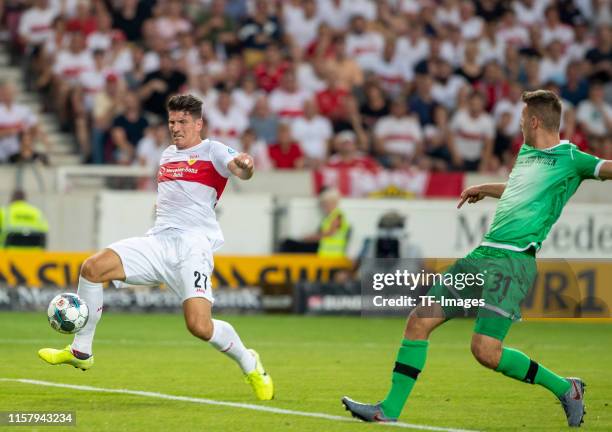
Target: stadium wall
251, 223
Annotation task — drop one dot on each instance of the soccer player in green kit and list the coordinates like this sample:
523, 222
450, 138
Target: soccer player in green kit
546, 174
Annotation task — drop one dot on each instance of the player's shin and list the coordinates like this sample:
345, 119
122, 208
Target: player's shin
410, 361
92, 294
226, 340
517, 365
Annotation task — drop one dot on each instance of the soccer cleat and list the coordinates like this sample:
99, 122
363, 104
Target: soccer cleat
366, 412
65, 356
259, 380
573, 402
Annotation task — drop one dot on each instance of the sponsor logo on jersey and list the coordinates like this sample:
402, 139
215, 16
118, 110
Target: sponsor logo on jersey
198, 171
231, 150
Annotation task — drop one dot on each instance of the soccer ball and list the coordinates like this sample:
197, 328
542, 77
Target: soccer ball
67, 313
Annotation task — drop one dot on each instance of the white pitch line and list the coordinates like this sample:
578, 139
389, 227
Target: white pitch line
227, 404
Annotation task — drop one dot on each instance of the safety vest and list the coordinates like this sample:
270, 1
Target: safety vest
334, 246
23, 218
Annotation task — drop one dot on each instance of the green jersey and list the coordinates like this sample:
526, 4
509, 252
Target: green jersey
540, 184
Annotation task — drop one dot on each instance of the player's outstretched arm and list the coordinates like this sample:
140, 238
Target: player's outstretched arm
242, 166
605, 172
476, 193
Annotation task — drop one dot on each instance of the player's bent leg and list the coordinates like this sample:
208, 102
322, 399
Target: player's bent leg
488, 350
409, 363
223, 337
198, 317
101, 267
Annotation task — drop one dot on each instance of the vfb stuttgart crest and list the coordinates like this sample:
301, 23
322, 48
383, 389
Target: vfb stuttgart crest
192, 159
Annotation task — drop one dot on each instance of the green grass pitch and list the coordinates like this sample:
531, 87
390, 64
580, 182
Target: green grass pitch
313, 360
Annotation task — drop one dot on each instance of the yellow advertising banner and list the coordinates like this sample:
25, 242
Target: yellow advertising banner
62, 269
562, 289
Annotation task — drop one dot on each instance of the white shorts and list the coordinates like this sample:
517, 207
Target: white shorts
181, 260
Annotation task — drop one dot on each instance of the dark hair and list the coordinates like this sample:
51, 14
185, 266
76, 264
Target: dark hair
546, 106
477, 94
185, 103
18, 195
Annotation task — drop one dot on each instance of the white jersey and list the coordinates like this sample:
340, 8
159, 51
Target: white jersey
18, 117
190, 182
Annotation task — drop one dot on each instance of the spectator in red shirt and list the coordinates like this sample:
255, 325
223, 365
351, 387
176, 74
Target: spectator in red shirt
322, 47
331, 100
270, 72
493, 85
286, 153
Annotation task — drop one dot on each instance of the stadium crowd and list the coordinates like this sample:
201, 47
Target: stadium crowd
435, 84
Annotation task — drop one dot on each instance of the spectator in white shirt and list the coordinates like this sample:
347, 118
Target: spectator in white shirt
35, 24
150, 148
594, 115
530, 12
583, 40
15, 119
172, 22
554, 64
554, 29
201, 86
471, 25
448, 13
257, 148
120, 54
303, 26
67, 69
72, 62
392, 72
149, 151
245, 96
512, 105
287, 101
413, 47
226, 122
511, 32
364, 8
398, 136
474, 131
312, 132
101, 39
366, 47
336, 13
490, 47
58, 39
447, 85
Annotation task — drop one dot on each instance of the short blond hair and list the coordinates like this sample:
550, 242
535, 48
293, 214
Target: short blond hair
546, 106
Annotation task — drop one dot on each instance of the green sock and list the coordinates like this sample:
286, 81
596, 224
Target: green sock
517, 365
410, 361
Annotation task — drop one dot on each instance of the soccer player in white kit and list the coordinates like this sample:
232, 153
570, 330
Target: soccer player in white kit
178, 250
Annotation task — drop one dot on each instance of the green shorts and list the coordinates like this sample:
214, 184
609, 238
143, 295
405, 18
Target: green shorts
501, 279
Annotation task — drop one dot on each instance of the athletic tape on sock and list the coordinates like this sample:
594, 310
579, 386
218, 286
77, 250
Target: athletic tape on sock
531, 372
407, 370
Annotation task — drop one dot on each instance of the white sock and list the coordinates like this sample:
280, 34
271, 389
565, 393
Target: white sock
226, 340
92, 295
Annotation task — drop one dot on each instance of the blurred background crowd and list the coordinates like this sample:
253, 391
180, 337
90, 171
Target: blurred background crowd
396, 84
